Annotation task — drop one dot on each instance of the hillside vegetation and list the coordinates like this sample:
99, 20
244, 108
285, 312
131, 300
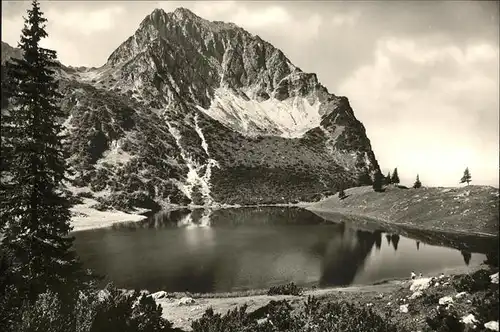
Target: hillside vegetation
470, 209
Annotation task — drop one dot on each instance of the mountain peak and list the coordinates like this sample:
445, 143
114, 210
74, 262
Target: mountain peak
158, 16
183, 13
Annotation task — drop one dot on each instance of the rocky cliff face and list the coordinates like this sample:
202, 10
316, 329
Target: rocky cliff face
10, 52
188, 111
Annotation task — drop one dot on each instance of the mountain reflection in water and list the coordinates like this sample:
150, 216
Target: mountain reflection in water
233, 249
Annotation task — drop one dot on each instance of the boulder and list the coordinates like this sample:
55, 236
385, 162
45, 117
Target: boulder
416, 294
403, 308
492, 325
159, 295
420, 284
445, 300
469, 319
494, 278
186, 301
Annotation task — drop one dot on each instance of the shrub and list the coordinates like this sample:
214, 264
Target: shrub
342, 194
75, 199
486, 306
430, 299
85, 194
478, 281
44, 315
101, 206
492, 258
146, 316
443, 320
115, 310
288, 289
344, 316
234, 320
279, 316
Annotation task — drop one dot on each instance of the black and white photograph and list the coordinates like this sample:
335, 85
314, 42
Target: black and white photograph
250, 166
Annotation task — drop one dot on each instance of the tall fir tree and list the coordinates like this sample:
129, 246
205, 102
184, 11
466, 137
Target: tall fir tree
388, 178
417, 183
378, 181
395, 176
35, 212
466, 177
364, 178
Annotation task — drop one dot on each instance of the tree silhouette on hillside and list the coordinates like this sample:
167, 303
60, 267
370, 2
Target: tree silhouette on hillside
388, 178
417, 183
342, 194
395, 176
466, 177
378, 181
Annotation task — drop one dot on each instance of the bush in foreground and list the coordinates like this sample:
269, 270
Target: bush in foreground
477, 281
486, 306
443, 320
279, 316
288, 289
95, 311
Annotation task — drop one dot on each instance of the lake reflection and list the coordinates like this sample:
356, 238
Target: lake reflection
234, 249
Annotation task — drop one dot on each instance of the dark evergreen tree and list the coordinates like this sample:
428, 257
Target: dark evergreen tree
395, 177
35, 212
364, 178
417, 183
388, 178
378, 181
342, 194
466, 177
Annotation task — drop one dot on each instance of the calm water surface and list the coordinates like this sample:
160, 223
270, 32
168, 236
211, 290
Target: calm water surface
236, 249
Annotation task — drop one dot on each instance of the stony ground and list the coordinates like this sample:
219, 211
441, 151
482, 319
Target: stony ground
392, 296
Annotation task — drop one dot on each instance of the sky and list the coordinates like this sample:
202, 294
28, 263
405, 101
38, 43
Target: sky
422, 76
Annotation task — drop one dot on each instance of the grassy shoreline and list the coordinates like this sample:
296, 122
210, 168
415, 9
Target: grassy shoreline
386, 295
470, 210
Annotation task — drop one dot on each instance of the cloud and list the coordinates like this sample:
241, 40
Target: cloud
428, 118
270, 16
273, 19
11, 29
82, 22
75, 31
422, 76
346, 19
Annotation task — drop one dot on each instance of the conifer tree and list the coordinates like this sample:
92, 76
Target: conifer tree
466, 177
364, 178
417, 183
378, 181
342, 194
388, 178
395, 177
35, 212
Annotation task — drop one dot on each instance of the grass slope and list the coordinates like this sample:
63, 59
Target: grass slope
470, 209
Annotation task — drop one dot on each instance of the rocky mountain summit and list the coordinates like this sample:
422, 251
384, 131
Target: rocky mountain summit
189, 111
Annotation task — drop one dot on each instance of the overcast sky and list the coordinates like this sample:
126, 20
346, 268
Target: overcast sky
423, 77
